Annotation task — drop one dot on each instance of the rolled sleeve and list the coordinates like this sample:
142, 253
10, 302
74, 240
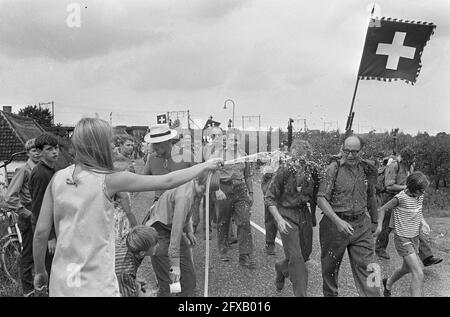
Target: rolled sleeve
327, 182
275, 188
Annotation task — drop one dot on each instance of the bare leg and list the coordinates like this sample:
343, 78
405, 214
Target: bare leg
398, 274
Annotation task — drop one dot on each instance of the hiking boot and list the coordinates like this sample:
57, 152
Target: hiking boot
383, 254
270, 249
386, 292
431, 260
279, 278
247, 261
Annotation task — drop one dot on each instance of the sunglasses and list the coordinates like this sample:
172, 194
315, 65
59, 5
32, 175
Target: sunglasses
354, 152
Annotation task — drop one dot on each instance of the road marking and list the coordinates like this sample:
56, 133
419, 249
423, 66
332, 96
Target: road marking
277, 240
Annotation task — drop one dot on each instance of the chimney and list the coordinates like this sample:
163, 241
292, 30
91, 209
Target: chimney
7, 109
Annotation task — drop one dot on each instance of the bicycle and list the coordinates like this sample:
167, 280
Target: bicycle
10, 246
11, 242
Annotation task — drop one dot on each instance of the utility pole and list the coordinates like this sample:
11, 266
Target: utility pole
250, 118
304, 123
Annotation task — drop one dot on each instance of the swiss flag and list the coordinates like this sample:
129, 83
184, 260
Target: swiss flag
393, 49
162, 118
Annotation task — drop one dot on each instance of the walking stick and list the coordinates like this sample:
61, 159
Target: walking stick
208, 181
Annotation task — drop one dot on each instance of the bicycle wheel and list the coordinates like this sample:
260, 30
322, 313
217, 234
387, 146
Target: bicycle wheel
10, 259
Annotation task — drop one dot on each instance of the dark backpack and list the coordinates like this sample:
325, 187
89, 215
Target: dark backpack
381, 185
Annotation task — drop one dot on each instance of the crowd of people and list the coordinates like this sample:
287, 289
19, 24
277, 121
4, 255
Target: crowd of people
81, 236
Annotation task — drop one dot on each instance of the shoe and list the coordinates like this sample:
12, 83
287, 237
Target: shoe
279, 278
383, 254
246, 261
232, 241
431, 260
386, 292
225, 258
270, 249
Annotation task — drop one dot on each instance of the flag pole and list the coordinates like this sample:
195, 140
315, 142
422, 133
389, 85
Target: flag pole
351, 114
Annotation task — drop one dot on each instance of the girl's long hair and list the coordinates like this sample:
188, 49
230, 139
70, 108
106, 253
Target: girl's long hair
92, 144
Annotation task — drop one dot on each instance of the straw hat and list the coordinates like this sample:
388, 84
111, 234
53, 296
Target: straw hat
160, 133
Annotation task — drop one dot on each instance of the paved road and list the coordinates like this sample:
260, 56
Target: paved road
229, 279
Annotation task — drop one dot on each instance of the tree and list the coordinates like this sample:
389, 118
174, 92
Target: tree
42, 116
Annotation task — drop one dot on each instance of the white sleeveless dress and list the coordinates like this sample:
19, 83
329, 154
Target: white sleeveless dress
84, 259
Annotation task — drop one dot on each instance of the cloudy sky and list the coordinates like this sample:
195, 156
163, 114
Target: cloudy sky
274, 58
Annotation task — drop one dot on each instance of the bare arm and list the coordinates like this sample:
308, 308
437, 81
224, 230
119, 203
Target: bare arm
396, 188
328, 211
129, 182
126, 205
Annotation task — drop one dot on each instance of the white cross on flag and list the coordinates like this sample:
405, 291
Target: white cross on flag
162, 118
393, 49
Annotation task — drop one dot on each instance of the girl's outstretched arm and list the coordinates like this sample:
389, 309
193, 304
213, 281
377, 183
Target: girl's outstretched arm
382, 211
129, 182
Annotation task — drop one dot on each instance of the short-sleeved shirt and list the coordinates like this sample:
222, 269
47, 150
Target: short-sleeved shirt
408, 215
156, 165
293, 185
347, 189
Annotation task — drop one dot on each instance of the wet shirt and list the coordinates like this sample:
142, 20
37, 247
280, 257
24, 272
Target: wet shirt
348, 190
293, 185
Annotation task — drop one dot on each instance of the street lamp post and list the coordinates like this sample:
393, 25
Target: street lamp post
225, 107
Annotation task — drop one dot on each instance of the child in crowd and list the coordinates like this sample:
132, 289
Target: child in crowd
408, 222
48, 148
18, 198
78, 201
138, 243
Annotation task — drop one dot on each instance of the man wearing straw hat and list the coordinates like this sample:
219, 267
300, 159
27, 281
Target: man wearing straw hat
163, 160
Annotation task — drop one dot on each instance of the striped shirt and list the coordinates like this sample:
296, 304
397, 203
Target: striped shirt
126, 266
408, 215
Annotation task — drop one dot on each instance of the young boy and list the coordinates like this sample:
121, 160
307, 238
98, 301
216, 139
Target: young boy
18, 198
47, 146
139, 242
171, 217
408, 223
